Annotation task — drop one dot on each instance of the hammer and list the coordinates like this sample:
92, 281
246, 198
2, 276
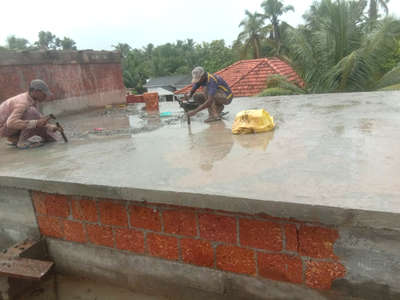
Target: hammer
61, 129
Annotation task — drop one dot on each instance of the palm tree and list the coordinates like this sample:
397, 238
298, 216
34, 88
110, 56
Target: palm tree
252, 34
333, 53
373, 9
273, 9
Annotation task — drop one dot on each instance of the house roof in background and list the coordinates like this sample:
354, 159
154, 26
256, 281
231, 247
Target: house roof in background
177, 81
162, 92
248, 77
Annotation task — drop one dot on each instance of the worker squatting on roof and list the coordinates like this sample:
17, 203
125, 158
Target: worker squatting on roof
20, 118
216, 93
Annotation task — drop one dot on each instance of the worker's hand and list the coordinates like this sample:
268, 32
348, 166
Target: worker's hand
191, 113
42, 122
52, 128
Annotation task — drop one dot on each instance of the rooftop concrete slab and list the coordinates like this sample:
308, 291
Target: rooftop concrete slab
332, 158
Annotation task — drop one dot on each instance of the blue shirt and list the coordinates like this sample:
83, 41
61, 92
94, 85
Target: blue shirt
213, 84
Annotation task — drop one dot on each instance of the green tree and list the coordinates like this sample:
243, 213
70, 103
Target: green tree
123, 48
46, 41
215, 56
253, 33
135, 70
65, 44
273, 9
332, 52
14, 43
373, 9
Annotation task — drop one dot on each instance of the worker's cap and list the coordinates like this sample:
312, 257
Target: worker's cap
40, 85
197, 73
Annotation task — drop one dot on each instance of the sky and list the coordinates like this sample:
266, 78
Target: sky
101, 24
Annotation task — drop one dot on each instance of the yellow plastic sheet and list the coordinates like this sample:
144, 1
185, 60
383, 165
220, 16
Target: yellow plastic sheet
252, 121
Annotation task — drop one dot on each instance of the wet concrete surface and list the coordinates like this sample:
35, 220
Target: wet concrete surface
337, 150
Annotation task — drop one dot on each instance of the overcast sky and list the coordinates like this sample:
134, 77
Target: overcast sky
100, 24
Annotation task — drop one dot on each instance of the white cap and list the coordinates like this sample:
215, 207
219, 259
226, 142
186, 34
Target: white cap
197, 73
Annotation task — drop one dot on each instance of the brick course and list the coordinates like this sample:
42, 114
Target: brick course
197, 252
113, 213
235, 259
128, 239
180, 222
280, 267
100, 235
145, 217
218, 228
317, 242
163, 246
261, 235
272, 248
84, 210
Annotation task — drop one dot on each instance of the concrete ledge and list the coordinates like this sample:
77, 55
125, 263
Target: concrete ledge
14, 58
302, 212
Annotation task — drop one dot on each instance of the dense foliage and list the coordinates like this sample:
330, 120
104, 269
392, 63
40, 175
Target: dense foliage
344, 46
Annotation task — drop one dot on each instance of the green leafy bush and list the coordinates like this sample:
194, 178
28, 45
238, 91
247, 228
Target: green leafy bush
395, 87
279, 81
276, 91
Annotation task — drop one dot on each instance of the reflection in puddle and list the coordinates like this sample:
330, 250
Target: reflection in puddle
211, 144
255, 141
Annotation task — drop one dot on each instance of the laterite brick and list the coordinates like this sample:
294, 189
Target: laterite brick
100, 235
112, 213
292, 243
261, 235
145, 217
38, 199
320, 275
197, 252
180, 222
130, 240
51, 204
280, 267
84, 210
235, 259
163, 246
218, 228
51, 227
57, 205
74, 231
317, 242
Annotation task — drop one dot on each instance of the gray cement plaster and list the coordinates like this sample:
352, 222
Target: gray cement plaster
17, 217
372, 260
171, 279
332, 158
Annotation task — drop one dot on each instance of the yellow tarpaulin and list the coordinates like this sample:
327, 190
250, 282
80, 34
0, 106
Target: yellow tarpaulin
252, 121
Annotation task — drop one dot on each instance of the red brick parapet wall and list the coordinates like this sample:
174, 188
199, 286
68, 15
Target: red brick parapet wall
68, 73
255, 245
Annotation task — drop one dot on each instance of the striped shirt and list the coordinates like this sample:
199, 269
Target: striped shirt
214, 83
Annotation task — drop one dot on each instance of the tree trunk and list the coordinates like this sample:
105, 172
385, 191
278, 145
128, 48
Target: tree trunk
373, 11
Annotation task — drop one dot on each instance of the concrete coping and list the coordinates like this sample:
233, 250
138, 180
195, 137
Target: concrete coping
58, 57
328, 215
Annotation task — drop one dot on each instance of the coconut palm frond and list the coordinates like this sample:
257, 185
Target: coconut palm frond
389, 79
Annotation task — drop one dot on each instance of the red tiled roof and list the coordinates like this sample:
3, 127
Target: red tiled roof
248, 77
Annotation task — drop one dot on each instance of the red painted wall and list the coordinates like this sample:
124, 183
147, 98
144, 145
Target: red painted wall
66, 76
